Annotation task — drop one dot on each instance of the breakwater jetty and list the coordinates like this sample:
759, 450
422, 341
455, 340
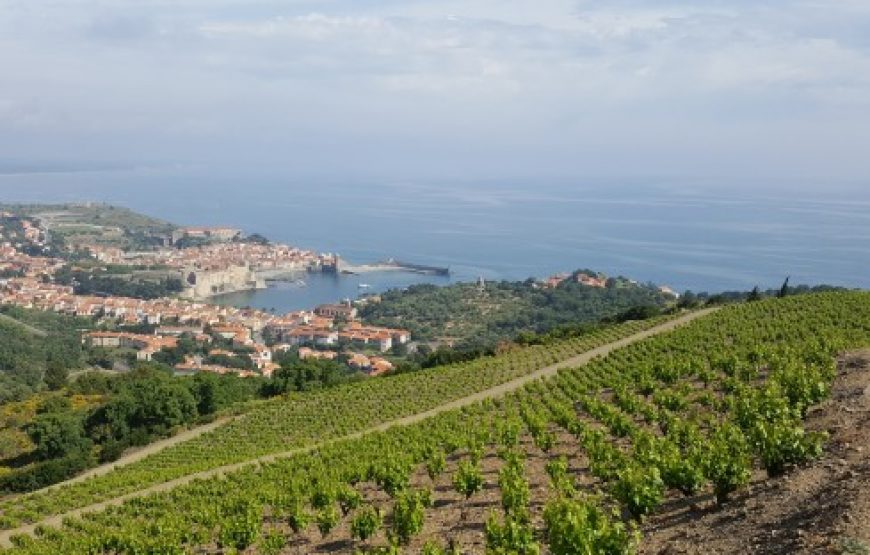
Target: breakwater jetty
417, 268
340, 266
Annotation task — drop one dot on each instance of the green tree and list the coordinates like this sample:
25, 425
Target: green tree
210, 396
56, 375
754, 295
784, 290
58, 434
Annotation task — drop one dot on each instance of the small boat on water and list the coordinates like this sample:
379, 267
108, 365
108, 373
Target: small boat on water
363, 285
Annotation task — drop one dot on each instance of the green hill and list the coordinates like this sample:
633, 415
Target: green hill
470, 315
95, 223
35, 345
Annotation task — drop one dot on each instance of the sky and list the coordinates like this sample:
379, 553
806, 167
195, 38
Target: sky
448, 88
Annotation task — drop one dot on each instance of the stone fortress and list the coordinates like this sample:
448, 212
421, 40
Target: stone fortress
202, 284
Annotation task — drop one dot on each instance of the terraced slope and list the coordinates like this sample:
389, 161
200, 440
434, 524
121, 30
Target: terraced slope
303, 420
674, 418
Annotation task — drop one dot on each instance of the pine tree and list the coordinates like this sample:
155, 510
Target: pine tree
783, 291
754, 295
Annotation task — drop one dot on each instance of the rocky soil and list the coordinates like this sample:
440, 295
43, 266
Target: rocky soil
818, 509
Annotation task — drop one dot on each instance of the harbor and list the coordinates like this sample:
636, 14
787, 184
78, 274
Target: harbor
313, 288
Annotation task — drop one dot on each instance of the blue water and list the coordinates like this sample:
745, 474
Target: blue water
690, 235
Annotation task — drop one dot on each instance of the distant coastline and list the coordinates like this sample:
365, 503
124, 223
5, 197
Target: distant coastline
715, 239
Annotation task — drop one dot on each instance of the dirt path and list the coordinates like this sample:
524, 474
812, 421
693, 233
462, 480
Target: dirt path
493, 392
141, 453
820, 508
33, 330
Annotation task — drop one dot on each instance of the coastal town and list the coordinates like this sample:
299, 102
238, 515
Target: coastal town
325, 332
183, 329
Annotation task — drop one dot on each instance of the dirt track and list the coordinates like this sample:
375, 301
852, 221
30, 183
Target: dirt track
27, 327
140, 453
493, 392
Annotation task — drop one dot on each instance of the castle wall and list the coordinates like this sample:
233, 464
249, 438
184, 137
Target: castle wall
202, 284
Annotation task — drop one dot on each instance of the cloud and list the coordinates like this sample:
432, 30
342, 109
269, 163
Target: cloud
477, 86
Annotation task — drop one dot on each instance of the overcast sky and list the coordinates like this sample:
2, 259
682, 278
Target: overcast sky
425, 88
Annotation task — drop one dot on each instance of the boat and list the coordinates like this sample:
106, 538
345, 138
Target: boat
363, 285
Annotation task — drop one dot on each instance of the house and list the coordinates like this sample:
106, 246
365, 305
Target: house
382, 338
261, 356
665, 290
192, 365
591, 281
554, 281
236, 333
308, 353
309, 334
401, 336
146, 354
178, 330
269, 369
379, 366
145, 345
345, 311
359, 361
103, 339
224, 234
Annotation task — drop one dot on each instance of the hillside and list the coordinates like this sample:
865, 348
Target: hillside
564, 465
300, 421
467, 314
95, 224
33, 343
818, 508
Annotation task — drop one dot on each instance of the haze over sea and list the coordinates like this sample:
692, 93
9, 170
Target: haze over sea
684, 233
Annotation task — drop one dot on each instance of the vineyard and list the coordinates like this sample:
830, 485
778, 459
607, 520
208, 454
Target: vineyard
570, 464
300, 420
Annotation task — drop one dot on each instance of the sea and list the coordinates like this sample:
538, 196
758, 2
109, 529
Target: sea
689, 234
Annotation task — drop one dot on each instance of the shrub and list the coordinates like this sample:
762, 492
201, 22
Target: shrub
365, 523
510, 538
581, 526
640, 489
408, 513
468, 479
435, 463
785, 442
348, 499
327, 519
241, 527
514, 492
272, 542
298, 517
729, 465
